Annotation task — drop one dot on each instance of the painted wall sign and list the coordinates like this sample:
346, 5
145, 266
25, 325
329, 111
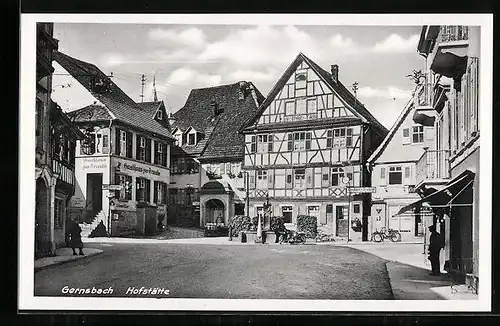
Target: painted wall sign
137, 168
95, 163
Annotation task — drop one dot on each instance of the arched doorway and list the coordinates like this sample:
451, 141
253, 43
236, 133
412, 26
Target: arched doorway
215, 211
41, 218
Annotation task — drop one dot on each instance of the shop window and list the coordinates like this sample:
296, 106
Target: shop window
395, 175
160, 192
143, 189
126, 182
286, 212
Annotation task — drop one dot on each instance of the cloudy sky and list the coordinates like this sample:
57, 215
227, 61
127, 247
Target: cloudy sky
183, 57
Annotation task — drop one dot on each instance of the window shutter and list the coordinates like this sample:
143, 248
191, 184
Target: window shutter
155, 192
148, 150
164, 194
156, 158
288, 179
329, 138
164, 154
129, 144
270, 178
290, 142
137, 188
137, 146
252, 179
310, 177
325, 176
308, 140
407, 172
406, 136
117, 141
253, 146
382, 176
270, 143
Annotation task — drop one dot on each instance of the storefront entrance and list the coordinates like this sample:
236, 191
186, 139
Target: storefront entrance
94, 193
341, 220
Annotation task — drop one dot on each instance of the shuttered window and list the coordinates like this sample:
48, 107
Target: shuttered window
253, 145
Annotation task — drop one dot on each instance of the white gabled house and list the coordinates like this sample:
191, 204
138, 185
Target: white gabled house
394, 168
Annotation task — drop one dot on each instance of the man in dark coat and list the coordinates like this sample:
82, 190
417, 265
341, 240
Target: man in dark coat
75, 238
435, 246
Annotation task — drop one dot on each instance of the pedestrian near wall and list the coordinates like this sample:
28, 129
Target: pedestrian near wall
76, 238
435, 246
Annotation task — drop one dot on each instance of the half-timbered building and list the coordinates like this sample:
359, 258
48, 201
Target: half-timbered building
306, 149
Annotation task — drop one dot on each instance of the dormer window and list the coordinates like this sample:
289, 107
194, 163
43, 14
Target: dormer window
216, 108
159, 115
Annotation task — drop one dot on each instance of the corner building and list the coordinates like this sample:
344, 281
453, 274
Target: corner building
307, 145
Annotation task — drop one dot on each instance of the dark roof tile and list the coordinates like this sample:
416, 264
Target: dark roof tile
119, 104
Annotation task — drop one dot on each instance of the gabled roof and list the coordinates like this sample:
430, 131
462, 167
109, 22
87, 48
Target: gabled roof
119, 105
222, 137
337, 87
402, 116
150, 107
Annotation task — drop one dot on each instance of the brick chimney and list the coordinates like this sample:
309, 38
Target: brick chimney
335, 73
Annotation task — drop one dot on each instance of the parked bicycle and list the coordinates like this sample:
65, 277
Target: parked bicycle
293, 237
393, 235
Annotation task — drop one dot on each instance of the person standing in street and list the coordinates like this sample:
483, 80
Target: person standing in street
76, 238
435, 246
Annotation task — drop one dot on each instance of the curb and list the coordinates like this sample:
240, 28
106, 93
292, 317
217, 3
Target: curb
37, 269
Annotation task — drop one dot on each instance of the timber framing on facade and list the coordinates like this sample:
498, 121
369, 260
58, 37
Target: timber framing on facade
308, 136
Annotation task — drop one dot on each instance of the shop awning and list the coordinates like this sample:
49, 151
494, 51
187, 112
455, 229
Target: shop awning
443, 196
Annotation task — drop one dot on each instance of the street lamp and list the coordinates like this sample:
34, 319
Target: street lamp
347, 182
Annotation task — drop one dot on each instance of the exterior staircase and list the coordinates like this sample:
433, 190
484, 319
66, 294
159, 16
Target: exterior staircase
87, 228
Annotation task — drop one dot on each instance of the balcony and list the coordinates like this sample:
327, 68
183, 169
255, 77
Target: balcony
65, 171
433, 167
453, 34
451, 53
424, 113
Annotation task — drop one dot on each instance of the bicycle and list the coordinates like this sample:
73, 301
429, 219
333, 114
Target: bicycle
393, 235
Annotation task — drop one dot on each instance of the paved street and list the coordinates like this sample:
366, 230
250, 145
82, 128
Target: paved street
221, 271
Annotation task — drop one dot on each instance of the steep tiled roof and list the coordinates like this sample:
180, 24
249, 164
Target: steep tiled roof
337, 87
222, 138
90, 113
119, 106
149, 107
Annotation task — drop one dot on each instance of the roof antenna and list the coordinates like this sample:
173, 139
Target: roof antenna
155, 96
355, 88
143, 81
